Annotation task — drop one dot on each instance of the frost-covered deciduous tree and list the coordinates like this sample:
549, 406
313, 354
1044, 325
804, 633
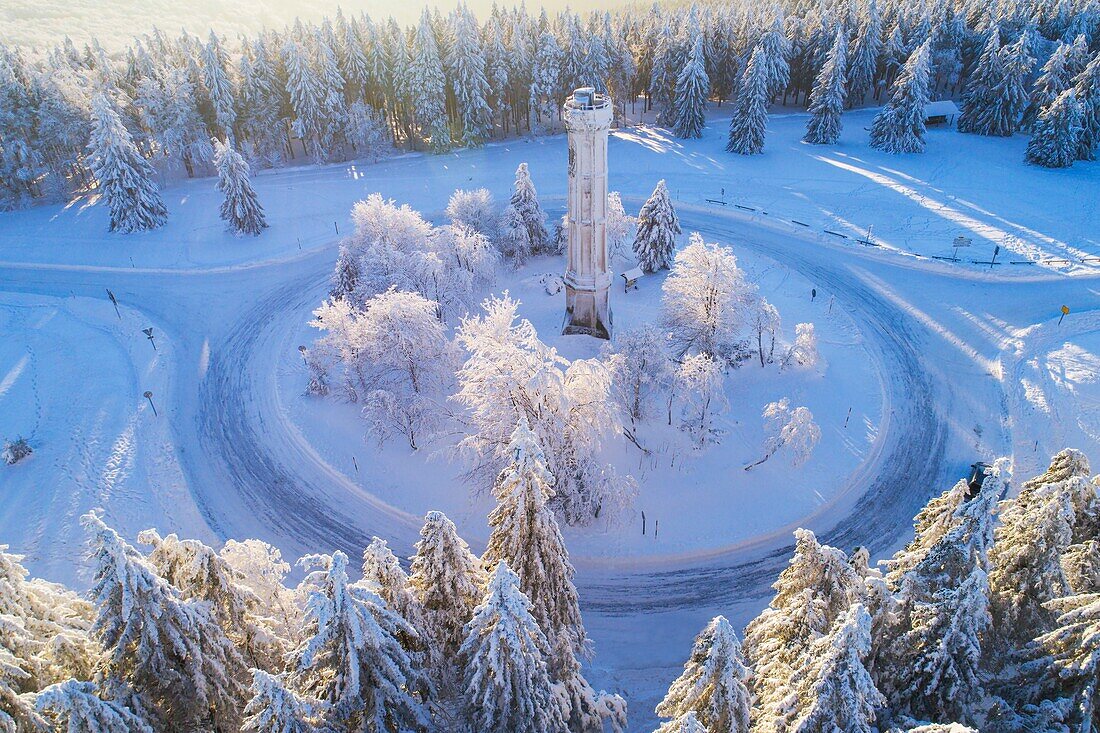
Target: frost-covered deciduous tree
700, 381
172, 653
692, 90
620, 228
475, 210
260, 568
124, 177
447, 580
714, 684
657, 229
827, 97
812, 593
241, 209
1054, 141
841, 696
803, 351
639, 367
764, 321
899, 126
525, 202
275, 708
507, 681
352, 659
508, 374
201, 574
750, 108
705, 301
790, 430
525, 535
75, 707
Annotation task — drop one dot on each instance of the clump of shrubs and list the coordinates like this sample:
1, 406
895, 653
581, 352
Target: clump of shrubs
16, 450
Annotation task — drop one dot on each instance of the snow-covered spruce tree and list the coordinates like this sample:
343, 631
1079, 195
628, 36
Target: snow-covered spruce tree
714, 683
692, 90
382, 572
931, 670
123, 176
750, 108
1054, 78
275, 708
662, 75
75, 707
544, 78
306, 92
686, 723
978, 99
1054, 141
182, 668
899, 126
863, 55
199, 573
1036, 529
352, 659
467, 71
1087, 86
1010, 93
704, 301
775, 52
811, 594
241, 209
525, 201
931, 523
658, 227
584, 709
827, 97
218, 86
506, 680
447, 580
841, 696
524, 533
427, 85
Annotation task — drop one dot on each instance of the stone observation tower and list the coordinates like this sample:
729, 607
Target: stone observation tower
588, 274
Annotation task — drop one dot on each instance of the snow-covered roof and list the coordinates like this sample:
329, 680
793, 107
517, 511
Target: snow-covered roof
940, 107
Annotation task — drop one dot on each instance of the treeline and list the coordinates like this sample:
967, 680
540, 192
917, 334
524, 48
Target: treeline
353, 86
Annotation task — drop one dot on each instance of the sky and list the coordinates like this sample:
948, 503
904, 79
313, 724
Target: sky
37, 23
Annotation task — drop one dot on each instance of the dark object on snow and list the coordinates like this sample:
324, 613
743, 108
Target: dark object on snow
16, 450
978, 472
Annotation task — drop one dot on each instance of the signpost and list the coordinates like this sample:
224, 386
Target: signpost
960, 242
149, 396
114, 303
149, 333
993, 261
1065, 312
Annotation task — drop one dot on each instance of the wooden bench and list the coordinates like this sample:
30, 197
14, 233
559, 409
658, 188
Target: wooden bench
631, 278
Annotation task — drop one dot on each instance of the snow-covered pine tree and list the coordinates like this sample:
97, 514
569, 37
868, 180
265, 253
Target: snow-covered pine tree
775, 52
662, 76
899, 126
584, 710
1054, 141
658, 226
172, 653
524, 533
544, 78
262, 124
506, 680
1054, 78
75, 707
931, 523
811, 594
241, 209
334, 109
218, 86
840, 695
471, 89
1065, 661
827, 97
714, 683
1010, 93
447, 580
352, 659
750, 107
124, 177
1087, 86
864, 54
275, 708
932, 668
692, 90
978, 100
382, 572
686, 723
427, 85
525, 201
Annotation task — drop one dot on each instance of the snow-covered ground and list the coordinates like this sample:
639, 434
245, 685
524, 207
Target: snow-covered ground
943, 364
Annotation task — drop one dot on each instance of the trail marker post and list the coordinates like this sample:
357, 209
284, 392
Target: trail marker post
993, 260
813, 294
149, 396
1065, 312
149, 334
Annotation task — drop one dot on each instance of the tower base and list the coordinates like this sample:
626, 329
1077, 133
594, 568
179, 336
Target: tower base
587, 313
